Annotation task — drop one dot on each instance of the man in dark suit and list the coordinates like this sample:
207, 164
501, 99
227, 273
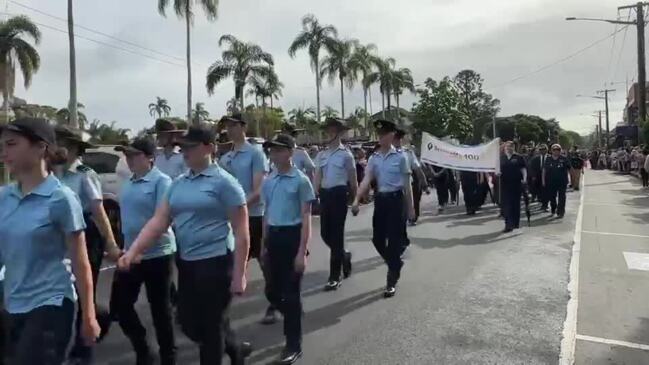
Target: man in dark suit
536, 170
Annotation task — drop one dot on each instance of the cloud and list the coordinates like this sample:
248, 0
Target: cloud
501, 39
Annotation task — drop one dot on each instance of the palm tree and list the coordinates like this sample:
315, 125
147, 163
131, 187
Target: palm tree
199, 113
329, 112
363, 61
240, 61
160, 107
338, 64
383, 76
265, 85
185, 9
313, 37
302, 117
64, 116
15, 50
72, 103
402, 80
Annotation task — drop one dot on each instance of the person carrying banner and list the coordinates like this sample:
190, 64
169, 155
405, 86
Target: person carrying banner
513, 177
390, 169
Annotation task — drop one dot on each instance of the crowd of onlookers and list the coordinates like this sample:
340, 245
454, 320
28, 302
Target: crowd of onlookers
628, 160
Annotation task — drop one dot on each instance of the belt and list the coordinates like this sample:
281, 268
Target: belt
389, 194
278, 229
334, 188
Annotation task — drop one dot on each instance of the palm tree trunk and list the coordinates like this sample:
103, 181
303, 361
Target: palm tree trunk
396, 97
342, 99
317, 88
369, 91
5, 91
382, 104
365, 101
388, 97
188, 24
72, 104
271, 102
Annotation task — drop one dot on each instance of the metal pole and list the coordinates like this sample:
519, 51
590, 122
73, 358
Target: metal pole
642, 78
599, 133
608, 131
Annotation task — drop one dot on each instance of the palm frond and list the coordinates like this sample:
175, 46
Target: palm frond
217, 72
20, 24
302, 40
210, 8
162, 7
229, 39
28, 59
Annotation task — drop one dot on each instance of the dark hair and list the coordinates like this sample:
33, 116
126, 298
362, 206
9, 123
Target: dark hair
51, 151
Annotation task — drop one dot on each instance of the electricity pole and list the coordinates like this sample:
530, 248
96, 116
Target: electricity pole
608, 131
599, 130
642, 75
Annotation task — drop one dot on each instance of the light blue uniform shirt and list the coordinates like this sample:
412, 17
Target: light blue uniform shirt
302, 161
284, 195
138, 200
84, 182
244, 164
411, 158
389, 170
33, 231
335, 165
199, 205
173, 166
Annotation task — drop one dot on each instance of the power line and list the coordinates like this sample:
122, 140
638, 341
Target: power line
619, 59
103, 43
610, 58
101, 33
564, 59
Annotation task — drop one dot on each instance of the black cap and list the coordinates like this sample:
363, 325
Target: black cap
222, 138
72, 135
237, 118
281, 140
337, 122
400, 133
202, 134
33, 128
382, 125
165, 126
139, 145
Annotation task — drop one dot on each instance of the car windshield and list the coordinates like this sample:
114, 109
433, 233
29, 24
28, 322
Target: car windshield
101, 162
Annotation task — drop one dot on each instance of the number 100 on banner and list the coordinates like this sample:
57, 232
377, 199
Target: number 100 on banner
481, 158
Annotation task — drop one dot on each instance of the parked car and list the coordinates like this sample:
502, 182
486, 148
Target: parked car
113, 170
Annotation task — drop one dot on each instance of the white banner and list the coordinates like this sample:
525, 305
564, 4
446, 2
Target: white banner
482, 158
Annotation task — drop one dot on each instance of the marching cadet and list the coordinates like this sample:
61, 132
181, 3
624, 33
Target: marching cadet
514, 175
418, 178
301, 158
139, 197
287, 195
335, 183
40, 221
207, 207
390, 169
249, 166
555, 180
85, 183
169, 160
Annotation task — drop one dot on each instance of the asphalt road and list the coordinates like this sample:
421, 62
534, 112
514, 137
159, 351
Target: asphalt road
468, 295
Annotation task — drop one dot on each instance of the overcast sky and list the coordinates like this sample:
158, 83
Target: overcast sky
501, 39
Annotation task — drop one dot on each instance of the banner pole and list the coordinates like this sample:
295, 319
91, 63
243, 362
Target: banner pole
493, 125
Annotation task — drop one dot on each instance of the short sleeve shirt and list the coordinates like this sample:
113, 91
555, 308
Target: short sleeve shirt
335, 164
84, 182
302, 161
244, 164
33, 230
284, 195
389, 170
172, 166
199, 204
138, 200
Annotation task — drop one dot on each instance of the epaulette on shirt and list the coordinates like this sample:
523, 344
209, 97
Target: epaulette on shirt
84, 168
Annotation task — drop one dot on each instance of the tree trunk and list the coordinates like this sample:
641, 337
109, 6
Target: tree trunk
317, 88
382, 104
342, 99
388, 97
396, 97
188, 25
369, 91
72, 104
365, 101
5, 89
271, 102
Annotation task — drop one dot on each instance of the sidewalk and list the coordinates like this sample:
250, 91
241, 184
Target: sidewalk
613, 295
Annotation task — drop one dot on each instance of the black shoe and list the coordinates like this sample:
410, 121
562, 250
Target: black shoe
389, 292
507, 230
143, 358
560, 215
347, 264
243, 351
288, 356
270, 317
332, 285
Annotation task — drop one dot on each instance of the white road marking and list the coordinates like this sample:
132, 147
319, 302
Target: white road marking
603, 204
568, 341
637, 260
607, 341
616, 234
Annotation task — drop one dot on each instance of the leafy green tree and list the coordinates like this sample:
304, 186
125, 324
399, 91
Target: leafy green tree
35, 111
185, 9
16, 51
265, 85
313, 37
479, 106
199, 114
363, 61
160, 108
355, 121
240, 61
103, 133
329, 112
438, 110
340, 65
